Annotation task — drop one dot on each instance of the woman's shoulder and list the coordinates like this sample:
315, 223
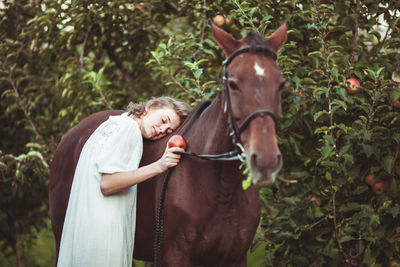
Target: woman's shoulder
125, 121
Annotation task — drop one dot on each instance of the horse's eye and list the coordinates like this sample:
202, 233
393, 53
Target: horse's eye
233, 86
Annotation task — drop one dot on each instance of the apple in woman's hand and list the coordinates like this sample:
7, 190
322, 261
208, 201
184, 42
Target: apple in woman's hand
177, 141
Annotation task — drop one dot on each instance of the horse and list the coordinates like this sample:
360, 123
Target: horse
209, 219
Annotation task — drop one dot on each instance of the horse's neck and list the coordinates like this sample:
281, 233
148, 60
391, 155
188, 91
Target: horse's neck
214, 125
216, 140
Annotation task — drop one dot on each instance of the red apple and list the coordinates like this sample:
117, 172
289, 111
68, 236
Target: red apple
369, 179
379, 187
228, 21
397, 104
177, 141
354, 87
219, 20
314, 198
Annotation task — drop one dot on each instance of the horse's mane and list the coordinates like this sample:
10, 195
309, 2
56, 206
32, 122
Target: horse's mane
193, 116
255, 39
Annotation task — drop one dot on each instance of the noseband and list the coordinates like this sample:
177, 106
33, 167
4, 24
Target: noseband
234, 130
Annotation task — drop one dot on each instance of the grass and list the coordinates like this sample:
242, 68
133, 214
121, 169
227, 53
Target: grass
42, 253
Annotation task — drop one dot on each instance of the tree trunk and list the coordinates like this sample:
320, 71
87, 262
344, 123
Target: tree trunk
19, 247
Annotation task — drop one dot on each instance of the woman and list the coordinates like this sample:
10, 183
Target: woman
99, 225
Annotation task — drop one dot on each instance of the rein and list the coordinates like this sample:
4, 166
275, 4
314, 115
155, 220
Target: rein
234, 131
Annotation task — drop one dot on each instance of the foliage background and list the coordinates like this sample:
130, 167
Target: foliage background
63, 60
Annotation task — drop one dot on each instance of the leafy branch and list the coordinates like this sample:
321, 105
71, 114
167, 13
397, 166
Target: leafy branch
20, 101
321, 26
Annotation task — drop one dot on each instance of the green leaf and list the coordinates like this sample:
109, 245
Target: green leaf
344, 149
290, 200
340, 103
189, 64
351, 206
246, 183
368, 150
329, 139
360, 190
315, 54
319, 114
387, 163
326, 151
368, 259
335, 72
394, 95
346, 238
198, 73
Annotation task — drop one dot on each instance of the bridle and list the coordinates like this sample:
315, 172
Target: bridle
234, 131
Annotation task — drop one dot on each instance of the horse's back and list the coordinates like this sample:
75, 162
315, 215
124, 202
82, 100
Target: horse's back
63, 166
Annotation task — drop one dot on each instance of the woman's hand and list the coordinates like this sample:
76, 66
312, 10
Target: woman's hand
112, 183
169, 158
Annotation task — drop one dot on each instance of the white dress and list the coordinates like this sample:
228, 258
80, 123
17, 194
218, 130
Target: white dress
99, 230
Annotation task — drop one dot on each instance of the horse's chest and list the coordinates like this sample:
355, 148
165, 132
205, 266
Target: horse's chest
231, 225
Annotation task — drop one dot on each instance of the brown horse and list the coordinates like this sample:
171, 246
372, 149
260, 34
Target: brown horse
209, 219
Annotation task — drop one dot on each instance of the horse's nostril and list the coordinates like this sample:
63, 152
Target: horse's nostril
257, 162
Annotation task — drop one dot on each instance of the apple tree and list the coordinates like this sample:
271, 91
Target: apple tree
63, 60
340, 123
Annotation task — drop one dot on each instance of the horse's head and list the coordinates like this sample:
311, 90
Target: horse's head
253, 82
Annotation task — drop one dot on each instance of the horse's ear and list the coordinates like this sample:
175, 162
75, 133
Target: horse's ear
278, 38
226, 42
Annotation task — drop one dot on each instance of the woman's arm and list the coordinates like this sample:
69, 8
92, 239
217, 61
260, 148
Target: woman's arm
115, 182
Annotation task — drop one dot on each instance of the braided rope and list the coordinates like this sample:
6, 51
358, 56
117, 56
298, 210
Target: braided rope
159, 229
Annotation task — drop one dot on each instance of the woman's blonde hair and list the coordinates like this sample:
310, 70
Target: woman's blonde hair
181, 108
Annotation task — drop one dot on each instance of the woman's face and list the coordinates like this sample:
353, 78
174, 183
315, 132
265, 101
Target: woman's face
158, 122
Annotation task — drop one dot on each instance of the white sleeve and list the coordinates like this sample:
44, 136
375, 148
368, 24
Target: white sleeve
121, 148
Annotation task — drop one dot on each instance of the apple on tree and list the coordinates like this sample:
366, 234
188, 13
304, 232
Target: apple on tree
379, 187
219, 20
369, 179
354, 86
228, 21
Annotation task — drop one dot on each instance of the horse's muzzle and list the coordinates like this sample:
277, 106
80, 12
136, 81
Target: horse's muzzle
264, 171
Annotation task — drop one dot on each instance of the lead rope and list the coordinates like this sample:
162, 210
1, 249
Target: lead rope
159, 230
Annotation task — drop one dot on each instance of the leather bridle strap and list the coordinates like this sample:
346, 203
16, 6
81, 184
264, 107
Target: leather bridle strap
262, 113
